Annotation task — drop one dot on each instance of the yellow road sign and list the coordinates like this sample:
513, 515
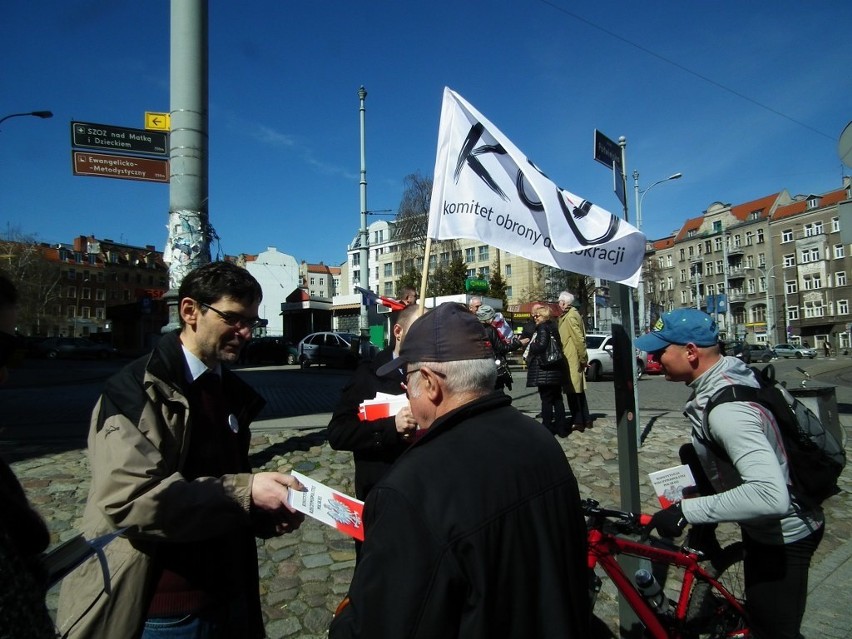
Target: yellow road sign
158, 121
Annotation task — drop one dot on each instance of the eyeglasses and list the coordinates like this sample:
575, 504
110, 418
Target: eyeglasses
235, 319
404, 383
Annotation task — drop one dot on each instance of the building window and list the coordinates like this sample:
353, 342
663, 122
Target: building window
793, 313
669, 283
790, 286
669, 260
485, 272
509, 292
787, 235
814, 309
750, 286
71, 292
843, 307
789, 260
508, 269
810, 255
748, 238
682, 254
835, 224
838, 251
469, 255
388, 289
717, 243
840, 278
70, 311
72, 274
388, 269
356, 259
86, 294
87, 313
760, 236
471, 273
100, 313
813, 228
483, 253
812, 282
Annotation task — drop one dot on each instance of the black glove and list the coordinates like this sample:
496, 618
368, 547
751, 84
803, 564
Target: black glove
669, 522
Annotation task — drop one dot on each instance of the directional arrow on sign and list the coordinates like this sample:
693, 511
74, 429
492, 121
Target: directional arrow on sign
158, 121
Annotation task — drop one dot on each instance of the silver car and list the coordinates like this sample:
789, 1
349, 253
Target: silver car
791, 350
599, 349
330, 348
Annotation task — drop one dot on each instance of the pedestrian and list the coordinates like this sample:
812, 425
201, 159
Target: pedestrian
572, 334
474, 304
375, 444
499, 346
168, 452
23, 533
548, 378
779, 533
826, 347
477, 530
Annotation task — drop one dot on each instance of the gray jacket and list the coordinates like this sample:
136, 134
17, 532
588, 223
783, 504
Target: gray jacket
752, 488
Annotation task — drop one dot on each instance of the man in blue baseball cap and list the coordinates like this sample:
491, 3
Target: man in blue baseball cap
741, 470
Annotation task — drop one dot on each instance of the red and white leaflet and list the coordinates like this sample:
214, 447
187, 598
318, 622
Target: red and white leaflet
382, 405
670, 483
329, 506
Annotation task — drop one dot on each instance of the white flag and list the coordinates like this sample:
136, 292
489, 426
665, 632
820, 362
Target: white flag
486, 189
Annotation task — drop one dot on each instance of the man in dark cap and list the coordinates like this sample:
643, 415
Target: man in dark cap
477, 529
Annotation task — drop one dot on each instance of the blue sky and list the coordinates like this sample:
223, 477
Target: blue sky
743, 98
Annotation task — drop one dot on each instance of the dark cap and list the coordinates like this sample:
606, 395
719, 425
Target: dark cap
448, 333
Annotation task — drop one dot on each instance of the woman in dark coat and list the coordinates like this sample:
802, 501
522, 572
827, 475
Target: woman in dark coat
548, 379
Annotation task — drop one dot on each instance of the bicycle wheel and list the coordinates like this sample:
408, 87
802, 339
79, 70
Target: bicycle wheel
710, 615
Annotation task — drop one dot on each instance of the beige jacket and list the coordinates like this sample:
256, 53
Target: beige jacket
573, 337
137, 445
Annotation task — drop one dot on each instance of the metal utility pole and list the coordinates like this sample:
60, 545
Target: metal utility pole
188, 244
364, 252
643, 325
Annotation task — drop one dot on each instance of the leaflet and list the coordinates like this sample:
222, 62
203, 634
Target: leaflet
672, 484
329, 506
382, 405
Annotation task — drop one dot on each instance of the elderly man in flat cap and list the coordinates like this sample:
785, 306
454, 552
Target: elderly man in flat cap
477, 529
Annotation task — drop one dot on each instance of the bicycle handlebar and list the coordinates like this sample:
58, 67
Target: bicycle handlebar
592, 508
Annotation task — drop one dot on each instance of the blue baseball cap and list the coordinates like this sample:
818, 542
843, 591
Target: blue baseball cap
680, 326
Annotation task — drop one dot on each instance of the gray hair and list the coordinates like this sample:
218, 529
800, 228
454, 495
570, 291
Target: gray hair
566, 297
461, 376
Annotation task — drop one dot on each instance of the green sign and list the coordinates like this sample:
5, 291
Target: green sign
472, 285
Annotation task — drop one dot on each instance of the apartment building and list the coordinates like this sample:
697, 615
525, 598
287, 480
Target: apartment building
770, 270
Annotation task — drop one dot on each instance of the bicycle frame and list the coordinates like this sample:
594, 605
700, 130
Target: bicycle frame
604, 547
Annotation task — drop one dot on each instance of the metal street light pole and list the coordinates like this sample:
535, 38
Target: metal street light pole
364, 252
639, 199
37, 114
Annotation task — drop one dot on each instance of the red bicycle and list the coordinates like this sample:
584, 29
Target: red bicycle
710, 600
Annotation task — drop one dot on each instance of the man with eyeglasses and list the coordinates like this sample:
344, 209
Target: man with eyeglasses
168, 451
476, 530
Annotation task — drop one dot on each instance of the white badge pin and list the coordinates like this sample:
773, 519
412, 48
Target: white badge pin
233, 423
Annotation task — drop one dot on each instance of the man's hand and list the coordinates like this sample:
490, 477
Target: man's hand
405, 424
669, 522
269, 491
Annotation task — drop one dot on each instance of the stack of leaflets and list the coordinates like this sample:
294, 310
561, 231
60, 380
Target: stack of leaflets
673, 484
329, 506
382, 405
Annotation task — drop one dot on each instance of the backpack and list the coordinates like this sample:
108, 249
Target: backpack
815, 458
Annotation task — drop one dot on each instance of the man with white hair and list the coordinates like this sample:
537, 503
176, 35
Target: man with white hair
477, 529
572, 334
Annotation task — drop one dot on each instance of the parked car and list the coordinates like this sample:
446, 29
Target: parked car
599, 349
55, 347
652, 365
791, 350
330, 348
269, 350
761, 353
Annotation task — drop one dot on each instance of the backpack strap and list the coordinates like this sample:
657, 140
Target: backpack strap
736, 393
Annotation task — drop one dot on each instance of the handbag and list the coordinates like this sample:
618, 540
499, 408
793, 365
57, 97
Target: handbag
553, 355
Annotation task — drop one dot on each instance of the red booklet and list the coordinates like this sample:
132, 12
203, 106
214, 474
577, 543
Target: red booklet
329, 506
382, 405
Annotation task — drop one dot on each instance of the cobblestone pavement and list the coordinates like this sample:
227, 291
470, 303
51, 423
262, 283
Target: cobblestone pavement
305, 574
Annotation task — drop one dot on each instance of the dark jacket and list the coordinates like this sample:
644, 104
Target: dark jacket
536, 375
138, 442
375, 444
475, 532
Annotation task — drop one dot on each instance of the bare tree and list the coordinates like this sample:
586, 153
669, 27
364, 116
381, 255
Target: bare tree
37, 278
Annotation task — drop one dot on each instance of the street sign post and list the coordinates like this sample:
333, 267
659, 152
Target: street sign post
122, 167
607, 152
85, 135
158, 121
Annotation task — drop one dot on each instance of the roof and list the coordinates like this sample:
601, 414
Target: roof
800, 206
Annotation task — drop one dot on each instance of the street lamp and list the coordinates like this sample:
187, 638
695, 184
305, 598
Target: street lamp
767, 275
639, 200
37, 114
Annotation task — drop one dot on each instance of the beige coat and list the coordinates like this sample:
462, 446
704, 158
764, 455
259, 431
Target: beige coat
573, 337
137, 446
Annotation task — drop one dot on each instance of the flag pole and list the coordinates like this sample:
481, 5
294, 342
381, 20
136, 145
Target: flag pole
427, 251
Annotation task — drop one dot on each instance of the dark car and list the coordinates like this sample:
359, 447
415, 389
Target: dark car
269, 350
761, 353
332, 349
55, 347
